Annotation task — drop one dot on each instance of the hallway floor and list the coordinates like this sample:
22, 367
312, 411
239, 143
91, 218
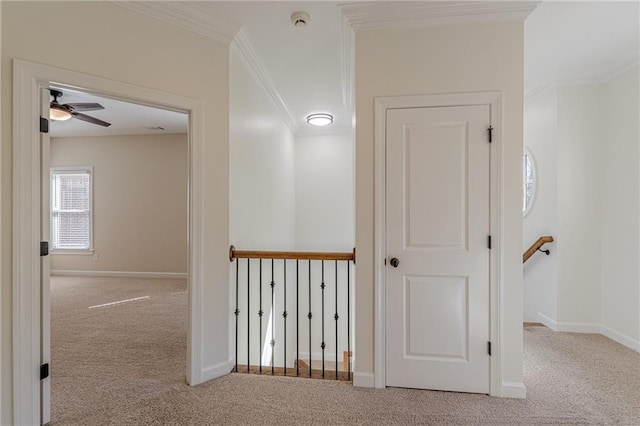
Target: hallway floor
123, 364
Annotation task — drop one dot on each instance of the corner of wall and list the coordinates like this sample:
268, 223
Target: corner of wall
513, 390
214, 371
620, 338
363, 380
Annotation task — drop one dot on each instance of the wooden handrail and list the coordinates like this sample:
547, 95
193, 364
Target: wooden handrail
292, 255
535, 246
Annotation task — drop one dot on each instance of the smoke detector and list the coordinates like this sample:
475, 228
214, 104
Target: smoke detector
300, 19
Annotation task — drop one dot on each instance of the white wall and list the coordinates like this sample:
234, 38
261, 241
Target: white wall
261, 165
324, 193
139, 202
540, 271
325, 222
262, 210
285, 194
450, 59
141, 51
587, 138
620, 159
579, 205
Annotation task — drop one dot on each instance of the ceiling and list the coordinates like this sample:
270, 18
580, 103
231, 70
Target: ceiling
303, 69
304, 64
579, 41
125, 118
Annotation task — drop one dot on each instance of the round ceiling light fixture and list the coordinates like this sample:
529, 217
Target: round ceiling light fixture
300, 19
59, 113
320, 119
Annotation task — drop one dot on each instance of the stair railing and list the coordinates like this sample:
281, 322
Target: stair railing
325, 274
537, 246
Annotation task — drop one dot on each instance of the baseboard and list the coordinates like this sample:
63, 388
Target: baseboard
591, 329
317, 356
621, 338
548, 322
569, 327
578, 327
218, 370
120, 274
514, 390
363, 380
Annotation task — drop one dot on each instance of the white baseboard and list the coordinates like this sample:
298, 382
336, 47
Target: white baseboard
514, 390
569, 327
591, 329
621, 338
218, 370
363, 380
120, 274
317, 356
548, 322
578, 327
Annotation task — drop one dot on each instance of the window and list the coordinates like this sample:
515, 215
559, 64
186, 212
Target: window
528, 182
71, 208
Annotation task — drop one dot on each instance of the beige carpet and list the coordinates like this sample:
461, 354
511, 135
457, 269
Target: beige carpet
124, 365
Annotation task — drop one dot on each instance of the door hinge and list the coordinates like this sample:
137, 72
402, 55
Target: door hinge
490, 129
44, 125
489, 348
489, 242
44, 371
44, 248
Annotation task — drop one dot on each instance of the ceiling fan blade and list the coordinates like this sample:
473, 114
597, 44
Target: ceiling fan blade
87, 106
90, 119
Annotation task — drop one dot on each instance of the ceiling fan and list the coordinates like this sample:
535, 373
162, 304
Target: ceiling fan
61, 112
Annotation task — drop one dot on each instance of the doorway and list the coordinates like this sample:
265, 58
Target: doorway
28, 305
118, 253
436, 283
437, 224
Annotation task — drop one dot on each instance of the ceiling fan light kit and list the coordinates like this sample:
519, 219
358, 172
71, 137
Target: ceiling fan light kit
62, 112
59, 114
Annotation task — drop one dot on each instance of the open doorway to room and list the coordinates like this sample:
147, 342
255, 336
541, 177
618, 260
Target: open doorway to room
31, 304
118, 179
580, 137
580, 187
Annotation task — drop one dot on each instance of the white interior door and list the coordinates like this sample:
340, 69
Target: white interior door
437, 228
45, 235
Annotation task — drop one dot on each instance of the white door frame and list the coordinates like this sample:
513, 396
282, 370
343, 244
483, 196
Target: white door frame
28, 78
382, 104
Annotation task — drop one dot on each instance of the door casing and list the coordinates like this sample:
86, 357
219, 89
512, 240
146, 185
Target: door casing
382, 104
28, 79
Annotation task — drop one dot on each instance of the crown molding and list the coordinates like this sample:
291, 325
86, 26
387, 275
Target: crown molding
348, 59
541, 90
243, 45
619, 72
184, 16
417, 14
414, 14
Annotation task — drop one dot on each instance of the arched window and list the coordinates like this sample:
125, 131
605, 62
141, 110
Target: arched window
528, 182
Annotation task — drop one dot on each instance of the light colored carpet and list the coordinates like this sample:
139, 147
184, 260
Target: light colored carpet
124, 365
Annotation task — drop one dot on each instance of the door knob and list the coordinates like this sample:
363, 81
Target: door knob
394, 262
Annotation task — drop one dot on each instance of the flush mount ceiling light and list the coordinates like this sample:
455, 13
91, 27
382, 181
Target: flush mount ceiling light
320, 119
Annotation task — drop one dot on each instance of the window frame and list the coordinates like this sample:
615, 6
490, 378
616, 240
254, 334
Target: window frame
534, 182
71, 170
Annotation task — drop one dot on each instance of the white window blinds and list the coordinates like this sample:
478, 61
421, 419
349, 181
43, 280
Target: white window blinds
71, 209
